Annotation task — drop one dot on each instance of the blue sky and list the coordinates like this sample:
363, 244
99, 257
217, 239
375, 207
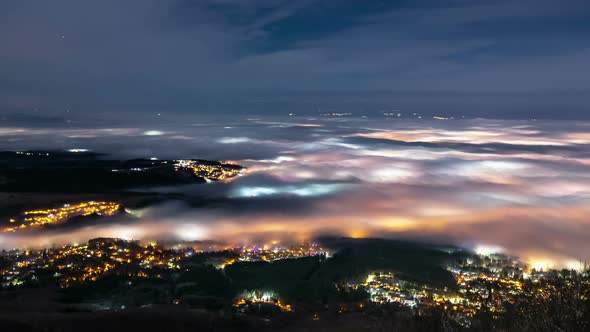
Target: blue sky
112, 54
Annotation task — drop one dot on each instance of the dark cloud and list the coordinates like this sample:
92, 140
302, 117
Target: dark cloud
200, 56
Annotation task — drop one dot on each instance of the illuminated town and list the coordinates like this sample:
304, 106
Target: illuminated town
270, 252
88, 262
210, 171
251, 301
37, 218
276, 251
72, 264
483, 283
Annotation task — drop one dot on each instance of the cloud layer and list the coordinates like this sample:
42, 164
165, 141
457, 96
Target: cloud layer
520, 185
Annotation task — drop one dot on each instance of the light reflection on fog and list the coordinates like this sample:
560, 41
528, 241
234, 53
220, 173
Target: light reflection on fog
519, 185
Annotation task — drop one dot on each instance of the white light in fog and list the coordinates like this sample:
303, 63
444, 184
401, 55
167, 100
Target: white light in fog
486, 250
153, 133
191, 232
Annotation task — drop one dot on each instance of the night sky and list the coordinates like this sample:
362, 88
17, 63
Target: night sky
491, 146
500, 58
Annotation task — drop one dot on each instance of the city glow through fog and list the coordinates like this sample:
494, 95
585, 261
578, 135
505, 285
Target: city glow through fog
522, 186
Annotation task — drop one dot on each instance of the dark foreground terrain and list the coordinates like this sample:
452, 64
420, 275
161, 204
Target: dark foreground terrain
175, 319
